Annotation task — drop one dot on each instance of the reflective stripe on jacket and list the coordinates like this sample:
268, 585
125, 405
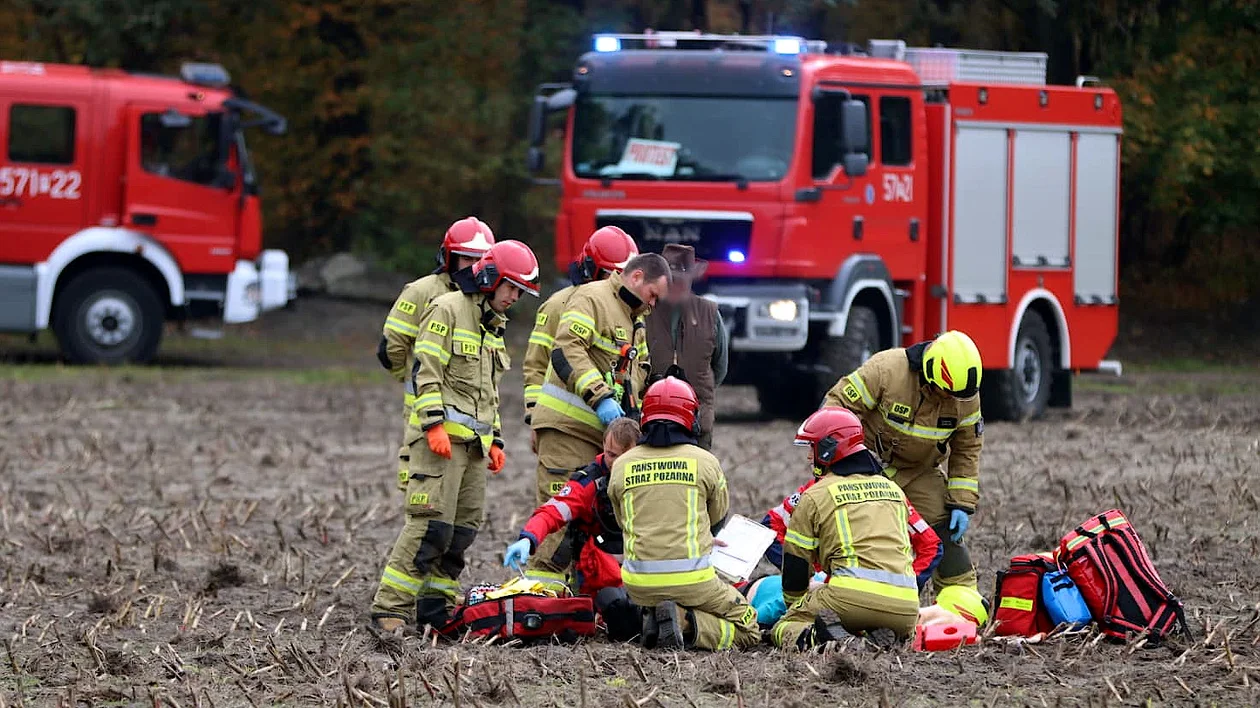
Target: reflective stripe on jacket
538, 350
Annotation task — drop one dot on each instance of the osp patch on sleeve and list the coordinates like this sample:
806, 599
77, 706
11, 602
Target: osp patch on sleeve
581, 330
407, 308
438, 328
850, 392
541, 319
620, 333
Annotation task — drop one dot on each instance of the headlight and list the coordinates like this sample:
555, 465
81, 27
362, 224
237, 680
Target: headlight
782, 310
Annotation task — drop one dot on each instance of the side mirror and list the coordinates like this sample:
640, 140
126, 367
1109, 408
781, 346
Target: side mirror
537, 121
172, 118
534, 159
853, 126
561, 100
855, 164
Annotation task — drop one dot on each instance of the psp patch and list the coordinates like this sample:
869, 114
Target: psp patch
407, 308
438, 328
467, 348
418, 499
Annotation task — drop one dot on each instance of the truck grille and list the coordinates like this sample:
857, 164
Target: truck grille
722, 237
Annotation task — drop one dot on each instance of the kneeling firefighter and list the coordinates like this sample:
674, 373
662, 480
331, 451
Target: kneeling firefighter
582, 505
853, 524
670, 497
920, 407
455, 435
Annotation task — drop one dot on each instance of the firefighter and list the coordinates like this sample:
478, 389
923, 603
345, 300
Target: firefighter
598, 366
454, 431
926, 545
670, 498
606, 252
583, 506
920, 407
852, 523
466, 241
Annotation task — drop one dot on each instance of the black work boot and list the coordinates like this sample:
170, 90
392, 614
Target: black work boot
671, 626
621, 617
827, 629
650, 631
432, 611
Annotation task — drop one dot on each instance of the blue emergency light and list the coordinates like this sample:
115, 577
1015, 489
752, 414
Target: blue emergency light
604, 43
787, 45
736, 256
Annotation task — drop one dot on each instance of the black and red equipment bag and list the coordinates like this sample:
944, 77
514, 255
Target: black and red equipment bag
1107, 560
1020, 611
525, 617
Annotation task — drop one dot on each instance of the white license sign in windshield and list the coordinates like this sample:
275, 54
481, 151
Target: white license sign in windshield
651, 157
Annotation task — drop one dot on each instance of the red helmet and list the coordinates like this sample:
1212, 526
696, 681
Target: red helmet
469, 236
832, 433
607, 250
671, 399
507, 260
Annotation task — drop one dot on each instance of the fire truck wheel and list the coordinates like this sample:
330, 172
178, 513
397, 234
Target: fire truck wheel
843, 355
1023, 391
108, 316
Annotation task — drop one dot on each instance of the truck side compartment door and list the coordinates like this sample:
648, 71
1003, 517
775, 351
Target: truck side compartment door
178, 187
43, 166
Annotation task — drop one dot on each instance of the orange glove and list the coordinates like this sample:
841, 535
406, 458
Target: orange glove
497, 459
439, 441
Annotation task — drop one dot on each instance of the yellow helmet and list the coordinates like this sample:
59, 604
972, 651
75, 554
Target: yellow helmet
965, 602
952, 363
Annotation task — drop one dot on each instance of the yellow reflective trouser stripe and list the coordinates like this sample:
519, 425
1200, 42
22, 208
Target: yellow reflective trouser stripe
442, 585
856, 379
801, 541
874, 587
575, 316
660, 580
550, 397
542, 339
693, 515
847, 553
970, 420
627, 503
964, 484
400, 581
433, 349
727, 640
779, 629
586, 379
918, 431
401, 327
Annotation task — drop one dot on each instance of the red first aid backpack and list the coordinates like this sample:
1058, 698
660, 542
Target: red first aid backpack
1020, 611
525, 617
1107, 560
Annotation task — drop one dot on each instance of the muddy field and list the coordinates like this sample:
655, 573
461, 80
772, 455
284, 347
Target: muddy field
211, 536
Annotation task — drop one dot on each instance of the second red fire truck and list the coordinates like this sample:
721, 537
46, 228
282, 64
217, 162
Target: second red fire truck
852, 203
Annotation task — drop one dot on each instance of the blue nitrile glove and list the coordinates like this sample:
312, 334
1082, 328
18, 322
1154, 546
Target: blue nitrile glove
517, 554
959, 520
608, 410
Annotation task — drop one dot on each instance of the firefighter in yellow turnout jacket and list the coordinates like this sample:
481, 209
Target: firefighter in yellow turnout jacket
591, 380
670, 496
460, 358
465, 242
606, 252
920, 408
853, 524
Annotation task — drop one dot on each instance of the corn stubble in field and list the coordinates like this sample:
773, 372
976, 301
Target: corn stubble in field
187, 541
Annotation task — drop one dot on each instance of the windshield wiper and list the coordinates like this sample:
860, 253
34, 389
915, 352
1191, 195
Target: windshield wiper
739, 180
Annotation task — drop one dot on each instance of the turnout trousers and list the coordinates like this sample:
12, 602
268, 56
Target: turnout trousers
858, 612
443, 506
721, 617
559, 454
926, 491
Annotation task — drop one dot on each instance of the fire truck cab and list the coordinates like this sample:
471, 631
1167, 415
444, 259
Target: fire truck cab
127, 200
853, 203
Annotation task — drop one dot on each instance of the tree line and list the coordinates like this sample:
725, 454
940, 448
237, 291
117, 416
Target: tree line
406, 114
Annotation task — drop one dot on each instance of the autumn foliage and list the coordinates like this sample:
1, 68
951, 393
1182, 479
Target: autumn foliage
405, 114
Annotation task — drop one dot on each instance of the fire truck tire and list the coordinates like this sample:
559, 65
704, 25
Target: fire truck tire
1023, 391
841, 356
108, 316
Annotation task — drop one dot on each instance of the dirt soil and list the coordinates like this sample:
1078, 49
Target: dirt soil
212, 536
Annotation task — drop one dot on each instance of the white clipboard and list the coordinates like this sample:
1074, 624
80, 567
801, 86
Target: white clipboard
746, 542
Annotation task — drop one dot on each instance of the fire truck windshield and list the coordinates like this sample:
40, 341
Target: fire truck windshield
709, 138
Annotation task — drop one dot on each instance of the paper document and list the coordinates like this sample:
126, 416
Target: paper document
746, 541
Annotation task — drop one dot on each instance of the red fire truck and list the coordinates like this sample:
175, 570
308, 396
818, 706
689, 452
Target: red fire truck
127, 200
849, 203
